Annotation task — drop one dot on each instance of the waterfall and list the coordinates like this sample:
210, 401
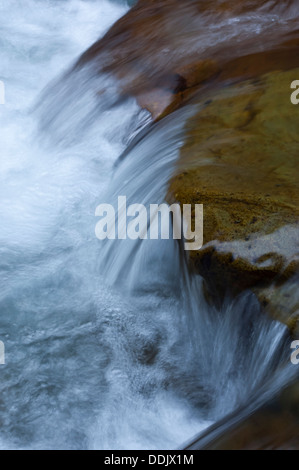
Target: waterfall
108, 344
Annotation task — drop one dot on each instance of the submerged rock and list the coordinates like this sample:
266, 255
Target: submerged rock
273, 426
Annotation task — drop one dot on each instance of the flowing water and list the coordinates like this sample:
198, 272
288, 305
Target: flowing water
108, 344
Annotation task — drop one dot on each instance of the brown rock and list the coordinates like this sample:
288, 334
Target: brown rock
161, 50
273, 426
240, 161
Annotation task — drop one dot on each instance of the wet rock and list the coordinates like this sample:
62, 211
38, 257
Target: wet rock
240, 161
271, 427
161, 68
235, 61
175, 90
281, 299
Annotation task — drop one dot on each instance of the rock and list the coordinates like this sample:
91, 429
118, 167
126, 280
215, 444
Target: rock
240, 161
270, 427
162, 68
235, 61
281, 299
173, 90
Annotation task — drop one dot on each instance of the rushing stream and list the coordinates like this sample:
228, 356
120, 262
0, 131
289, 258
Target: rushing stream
108, 344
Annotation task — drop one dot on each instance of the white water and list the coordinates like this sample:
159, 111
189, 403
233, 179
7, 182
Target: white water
106, 346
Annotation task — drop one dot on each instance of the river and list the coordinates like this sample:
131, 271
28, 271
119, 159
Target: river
107, 345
